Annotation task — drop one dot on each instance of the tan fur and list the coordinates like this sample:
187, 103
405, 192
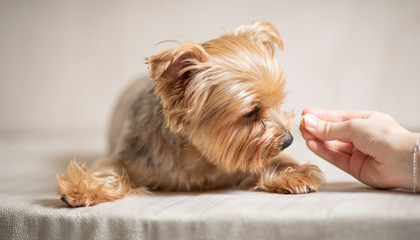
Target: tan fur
81, 187
282, 176
212, 117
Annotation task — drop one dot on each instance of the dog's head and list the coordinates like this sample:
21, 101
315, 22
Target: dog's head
224, 96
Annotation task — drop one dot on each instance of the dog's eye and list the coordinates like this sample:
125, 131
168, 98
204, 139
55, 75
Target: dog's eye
252, 113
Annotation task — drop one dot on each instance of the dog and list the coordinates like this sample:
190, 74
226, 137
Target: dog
209, 117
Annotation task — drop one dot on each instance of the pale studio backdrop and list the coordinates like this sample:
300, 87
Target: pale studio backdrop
63, 63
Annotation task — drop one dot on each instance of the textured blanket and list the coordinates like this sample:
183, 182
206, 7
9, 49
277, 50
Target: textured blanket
343, 209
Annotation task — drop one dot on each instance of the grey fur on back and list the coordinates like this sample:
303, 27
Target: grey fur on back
122, 110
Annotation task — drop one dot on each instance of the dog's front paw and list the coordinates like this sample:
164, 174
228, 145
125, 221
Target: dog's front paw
301, 179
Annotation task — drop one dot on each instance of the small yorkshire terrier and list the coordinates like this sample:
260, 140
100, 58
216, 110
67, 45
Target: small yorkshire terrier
210, 118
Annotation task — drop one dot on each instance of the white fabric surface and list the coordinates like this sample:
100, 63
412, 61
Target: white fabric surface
343, 209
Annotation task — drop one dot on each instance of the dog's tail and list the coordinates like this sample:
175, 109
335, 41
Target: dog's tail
81, 187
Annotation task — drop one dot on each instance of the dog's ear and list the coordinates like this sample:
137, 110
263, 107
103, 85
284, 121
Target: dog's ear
171, 71
170, 65
263, 33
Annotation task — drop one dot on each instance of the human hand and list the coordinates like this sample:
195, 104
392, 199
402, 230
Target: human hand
371, 146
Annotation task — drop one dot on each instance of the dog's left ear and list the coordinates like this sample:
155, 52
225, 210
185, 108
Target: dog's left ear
263, 33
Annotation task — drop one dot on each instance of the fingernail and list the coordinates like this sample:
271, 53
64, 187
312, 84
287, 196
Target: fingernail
310, 120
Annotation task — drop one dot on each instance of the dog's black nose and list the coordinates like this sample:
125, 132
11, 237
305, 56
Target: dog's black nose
287, 140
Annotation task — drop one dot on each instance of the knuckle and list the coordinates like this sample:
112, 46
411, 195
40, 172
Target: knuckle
353, 127
381, 116
376, 113
326, 129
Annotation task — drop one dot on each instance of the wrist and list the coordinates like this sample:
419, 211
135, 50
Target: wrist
416, 158
406, 164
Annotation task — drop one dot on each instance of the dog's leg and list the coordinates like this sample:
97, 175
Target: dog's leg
283, 175
82, 187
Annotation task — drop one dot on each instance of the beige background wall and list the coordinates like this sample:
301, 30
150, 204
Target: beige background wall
63, 63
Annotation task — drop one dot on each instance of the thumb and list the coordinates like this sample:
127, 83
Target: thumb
327, 131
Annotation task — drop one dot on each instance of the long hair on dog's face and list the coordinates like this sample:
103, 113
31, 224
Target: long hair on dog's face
224, 96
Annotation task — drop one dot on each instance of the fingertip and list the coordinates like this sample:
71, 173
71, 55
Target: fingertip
314, 111
318, 148
326, 130
310, 121
308, 126
336, 158
307, 135
312, 144
306, 110
302, 123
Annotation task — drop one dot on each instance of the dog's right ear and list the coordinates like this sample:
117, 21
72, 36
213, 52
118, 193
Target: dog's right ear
171, 71
169, 65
